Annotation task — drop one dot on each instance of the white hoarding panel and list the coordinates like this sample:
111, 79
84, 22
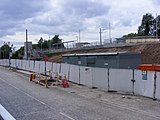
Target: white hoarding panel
56, 67
74, 74
120, 80
12, 62
144, 85
158, 85
23, 64
27, 65
18, 64
65, 69
42, 67
86, 76
49, 66
31, 65
37, 66
100, 78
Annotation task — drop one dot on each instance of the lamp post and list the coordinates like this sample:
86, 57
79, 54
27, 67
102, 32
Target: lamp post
100, 36
10, 53
26, 44
110, 33
49, 42
156, 26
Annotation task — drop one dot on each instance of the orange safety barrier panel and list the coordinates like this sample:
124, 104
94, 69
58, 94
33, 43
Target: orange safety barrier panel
149, 67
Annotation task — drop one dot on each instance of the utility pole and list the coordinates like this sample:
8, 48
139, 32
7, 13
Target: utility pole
79, 36
100, 36
26, 45
110, 33
49, 43
156, 27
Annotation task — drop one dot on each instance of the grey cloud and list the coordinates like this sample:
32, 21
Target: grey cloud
14, 12
70, 15
156, 2
21, 9
84, 8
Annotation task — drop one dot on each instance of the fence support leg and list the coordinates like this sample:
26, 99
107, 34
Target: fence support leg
154, 91
108, 80
133, 81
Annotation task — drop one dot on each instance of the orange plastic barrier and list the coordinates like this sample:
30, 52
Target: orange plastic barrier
149, 67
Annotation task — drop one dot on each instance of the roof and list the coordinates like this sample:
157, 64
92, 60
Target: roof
101, 54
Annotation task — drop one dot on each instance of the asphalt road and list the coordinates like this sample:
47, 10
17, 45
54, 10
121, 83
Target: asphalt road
25, 100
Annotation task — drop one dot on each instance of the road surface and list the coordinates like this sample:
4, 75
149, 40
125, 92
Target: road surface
25, 100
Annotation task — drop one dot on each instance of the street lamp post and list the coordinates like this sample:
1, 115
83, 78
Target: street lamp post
100, 36
26, 44
110, 33
49, 43
10, 50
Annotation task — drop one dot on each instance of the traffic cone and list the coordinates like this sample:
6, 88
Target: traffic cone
65, 82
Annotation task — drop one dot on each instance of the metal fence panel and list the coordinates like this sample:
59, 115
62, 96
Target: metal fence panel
42, 67
27, 65
74, 74
158, 86
49, 66
32, 65
65, 69
100, 78
19, 64
37, 67
56, 67
86, 76
144, 87
120, 80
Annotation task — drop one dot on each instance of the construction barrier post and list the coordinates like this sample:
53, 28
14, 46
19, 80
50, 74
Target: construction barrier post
32, 76
46, 82
39, 77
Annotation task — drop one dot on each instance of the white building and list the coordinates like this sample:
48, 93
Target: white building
29, 46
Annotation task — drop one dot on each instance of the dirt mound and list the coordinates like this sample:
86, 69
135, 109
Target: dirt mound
150, 52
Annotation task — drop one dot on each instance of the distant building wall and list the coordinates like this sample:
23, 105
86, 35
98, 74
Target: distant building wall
122, 60
29, 49
142, 40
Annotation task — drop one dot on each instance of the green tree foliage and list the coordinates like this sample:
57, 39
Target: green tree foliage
18, 54
130, 35
5, 51
40, 42
145, 29
55, 42
45, 44
156, 21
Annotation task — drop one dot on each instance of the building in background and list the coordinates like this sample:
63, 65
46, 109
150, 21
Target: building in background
120, 60
27, 47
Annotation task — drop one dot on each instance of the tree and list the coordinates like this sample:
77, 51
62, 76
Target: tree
18, 54
45, 44
40, 42
130, 35
56, 42
5, 49
156, 23
145, 29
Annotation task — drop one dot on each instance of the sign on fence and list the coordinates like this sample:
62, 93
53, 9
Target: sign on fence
144, 75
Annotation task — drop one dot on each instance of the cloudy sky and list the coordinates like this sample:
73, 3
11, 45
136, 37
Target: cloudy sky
45, 18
